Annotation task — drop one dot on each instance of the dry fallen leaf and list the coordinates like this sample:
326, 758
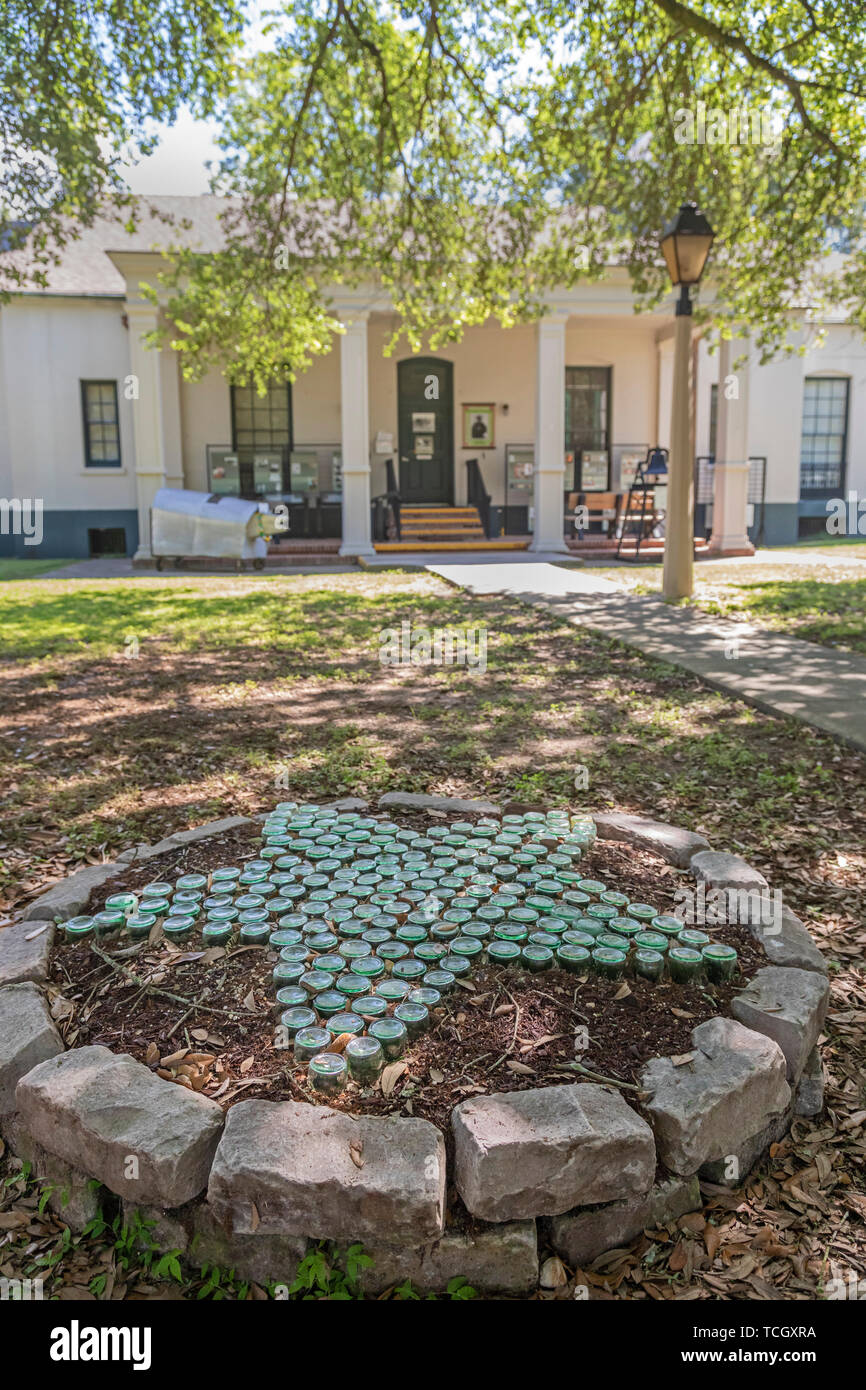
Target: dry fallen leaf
684, 1058
250, 1002
391, 1075
553, 1273
151, 1056
175, 1057
200, 1034
622, 993
246, 1065
520, 1068
356, 1152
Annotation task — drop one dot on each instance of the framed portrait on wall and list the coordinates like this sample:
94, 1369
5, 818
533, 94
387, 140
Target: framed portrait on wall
478, 427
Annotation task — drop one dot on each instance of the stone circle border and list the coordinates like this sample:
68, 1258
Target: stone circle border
231, 1190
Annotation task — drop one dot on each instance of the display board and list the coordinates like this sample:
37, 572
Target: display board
223, 471
267, 471
627, 458
594, 470
520, 467
304, 470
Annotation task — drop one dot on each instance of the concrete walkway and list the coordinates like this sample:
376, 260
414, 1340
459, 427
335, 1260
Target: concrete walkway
776, 673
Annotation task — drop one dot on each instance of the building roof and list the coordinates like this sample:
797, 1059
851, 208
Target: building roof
85, 268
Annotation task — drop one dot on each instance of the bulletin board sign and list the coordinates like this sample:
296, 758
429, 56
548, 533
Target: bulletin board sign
304, 470
594, 470
223, 472
267, 472
520, 467
627, 458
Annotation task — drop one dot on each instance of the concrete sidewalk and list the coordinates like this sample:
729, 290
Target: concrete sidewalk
779, 674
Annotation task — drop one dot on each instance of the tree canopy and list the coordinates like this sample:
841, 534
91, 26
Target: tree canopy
82, 83
468, 159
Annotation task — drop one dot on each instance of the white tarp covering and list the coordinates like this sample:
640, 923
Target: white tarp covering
190, 523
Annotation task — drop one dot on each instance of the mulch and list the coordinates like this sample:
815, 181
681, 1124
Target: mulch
502, 1030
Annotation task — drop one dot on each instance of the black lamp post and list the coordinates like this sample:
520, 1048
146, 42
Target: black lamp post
685, 243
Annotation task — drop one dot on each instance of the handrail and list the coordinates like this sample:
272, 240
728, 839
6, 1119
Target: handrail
379, 506
477, 494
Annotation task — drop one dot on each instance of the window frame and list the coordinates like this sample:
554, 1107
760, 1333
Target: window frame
263, 402
89, 460
835, 489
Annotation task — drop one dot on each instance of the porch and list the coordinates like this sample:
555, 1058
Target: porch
486, 444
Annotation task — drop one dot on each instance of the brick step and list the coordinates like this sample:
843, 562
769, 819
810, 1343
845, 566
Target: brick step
389, 546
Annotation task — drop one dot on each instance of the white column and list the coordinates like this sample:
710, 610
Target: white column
172, 437
731, 471
355, 415
147, 418
548, 534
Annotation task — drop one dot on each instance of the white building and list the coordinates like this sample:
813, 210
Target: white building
93, 423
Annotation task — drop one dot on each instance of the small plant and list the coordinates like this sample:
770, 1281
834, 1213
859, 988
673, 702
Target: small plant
320, 1274
220, 1284
457, 1289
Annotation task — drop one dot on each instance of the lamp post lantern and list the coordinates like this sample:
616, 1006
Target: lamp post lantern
685, 244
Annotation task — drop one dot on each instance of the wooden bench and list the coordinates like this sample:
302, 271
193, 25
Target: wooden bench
601, 509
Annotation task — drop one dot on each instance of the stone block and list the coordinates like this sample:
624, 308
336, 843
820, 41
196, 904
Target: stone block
290, 1168
419, 801
732, 1168
787, 943
674, 845
539, 1153
25, 951
720, 869
75, 1196
580, 1236
705, 1108
147, 1139
809, 1097
70, 896
27, 1037
493, 1259
787, 1005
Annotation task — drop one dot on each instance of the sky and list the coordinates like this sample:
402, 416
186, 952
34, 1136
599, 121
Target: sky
177, 165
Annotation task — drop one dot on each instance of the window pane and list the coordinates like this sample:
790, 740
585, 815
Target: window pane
824, 427
101, 426
262, 422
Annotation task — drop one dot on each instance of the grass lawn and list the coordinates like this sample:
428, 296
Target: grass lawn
817, 592
131, 709
29, 569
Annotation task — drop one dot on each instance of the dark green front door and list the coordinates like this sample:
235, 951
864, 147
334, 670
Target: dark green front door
425, 415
